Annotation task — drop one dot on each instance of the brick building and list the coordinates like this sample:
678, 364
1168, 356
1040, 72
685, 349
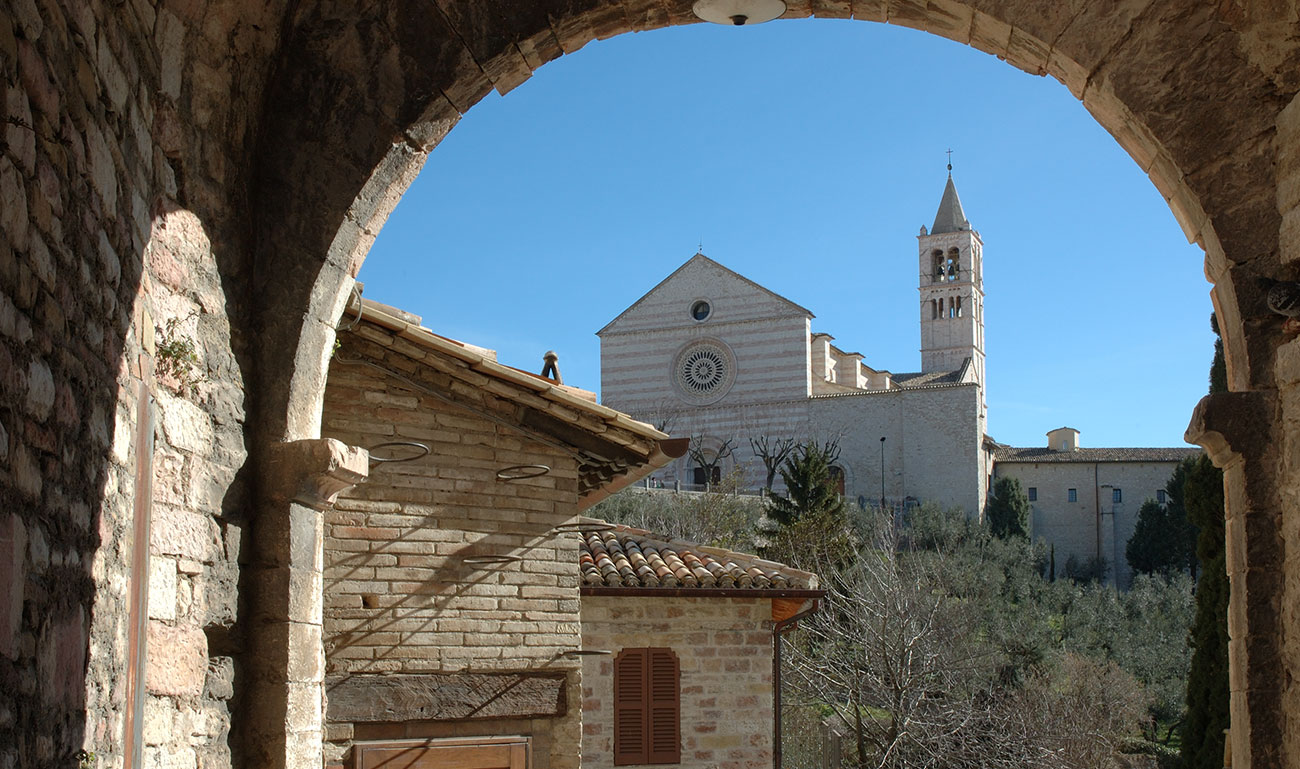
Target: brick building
698, 625
451, 587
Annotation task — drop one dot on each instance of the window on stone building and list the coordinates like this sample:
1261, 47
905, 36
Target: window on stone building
1072, 495
1117, 496
1161, 497
940, 307
836, 474
938, 266
707, 475
1033, 493
954, 260
647, 707
934, 309
958, 300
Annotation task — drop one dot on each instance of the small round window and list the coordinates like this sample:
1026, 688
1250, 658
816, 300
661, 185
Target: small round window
701, 310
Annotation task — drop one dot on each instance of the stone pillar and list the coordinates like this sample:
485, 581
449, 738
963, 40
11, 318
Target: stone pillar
284, 657
1237, 430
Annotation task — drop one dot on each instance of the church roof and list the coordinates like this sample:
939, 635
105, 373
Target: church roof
1043, 454
923, 378
699, 257
950, 217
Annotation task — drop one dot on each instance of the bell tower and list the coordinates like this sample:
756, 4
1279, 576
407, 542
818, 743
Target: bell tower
951, 262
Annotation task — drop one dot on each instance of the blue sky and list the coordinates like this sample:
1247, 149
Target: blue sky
806, 155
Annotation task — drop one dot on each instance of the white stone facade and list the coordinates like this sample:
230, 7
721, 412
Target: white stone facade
711, 355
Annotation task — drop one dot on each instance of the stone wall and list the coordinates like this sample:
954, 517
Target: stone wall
118, 115
109, 210
1073, 526
932, 443
724, 648
399, 596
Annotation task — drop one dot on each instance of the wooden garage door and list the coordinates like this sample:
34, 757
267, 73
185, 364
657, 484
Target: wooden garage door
458, 753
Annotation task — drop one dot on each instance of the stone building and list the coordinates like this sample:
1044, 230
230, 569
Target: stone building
188, 188
701, 624
710, 354
450, 583
1085, 501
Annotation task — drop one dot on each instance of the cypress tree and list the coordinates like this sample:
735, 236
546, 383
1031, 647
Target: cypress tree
1207, 680
1007, 510
809, 488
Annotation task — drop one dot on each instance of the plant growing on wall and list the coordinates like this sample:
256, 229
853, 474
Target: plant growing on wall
177, 357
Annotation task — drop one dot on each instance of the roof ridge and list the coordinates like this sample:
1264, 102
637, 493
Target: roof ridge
701, 257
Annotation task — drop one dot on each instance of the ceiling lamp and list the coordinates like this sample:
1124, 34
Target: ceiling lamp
738, 12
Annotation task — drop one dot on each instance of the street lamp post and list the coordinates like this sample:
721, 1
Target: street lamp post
882, 472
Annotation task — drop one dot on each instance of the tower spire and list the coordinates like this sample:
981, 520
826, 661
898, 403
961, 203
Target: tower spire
951, 217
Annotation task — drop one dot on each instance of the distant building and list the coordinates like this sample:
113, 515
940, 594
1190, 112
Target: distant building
712, 355
1086, 501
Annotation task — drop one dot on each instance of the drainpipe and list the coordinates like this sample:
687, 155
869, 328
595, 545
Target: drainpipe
780, 628
1096, 501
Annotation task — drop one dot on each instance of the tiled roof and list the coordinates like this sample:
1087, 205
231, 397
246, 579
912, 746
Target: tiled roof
614, 450
633, 558
1044, 454
920, 379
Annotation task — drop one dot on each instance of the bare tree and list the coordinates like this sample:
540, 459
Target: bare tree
772, 453
906, 667
663, 416
708, 458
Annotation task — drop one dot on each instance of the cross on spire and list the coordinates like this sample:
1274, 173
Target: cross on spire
950, 161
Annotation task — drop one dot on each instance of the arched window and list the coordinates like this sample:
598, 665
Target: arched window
939, 271
959, 307
941, 307
836, 474
934, 309
954, 263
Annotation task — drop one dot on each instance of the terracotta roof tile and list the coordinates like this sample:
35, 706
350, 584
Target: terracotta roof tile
628, 557
1043, 454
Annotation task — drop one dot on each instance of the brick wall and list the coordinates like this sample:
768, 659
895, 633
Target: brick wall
399, 598
724, 646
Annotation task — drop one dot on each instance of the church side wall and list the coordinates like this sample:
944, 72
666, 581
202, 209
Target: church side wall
932, 443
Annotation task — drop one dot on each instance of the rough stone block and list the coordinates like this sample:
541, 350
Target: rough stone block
177, 659
162, 588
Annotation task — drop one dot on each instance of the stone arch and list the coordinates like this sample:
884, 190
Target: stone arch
289, 131
1199, 97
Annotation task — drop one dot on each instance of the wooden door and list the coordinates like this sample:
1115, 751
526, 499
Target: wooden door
454, 753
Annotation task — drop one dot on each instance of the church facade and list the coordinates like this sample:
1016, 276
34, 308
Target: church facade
711, 355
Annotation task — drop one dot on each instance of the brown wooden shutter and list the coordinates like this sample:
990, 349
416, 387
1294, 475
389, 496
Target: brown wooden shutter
631, 716
664, 706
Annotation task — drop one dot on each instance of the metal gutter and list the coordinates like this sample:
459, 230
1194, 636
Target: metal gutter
703, 592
